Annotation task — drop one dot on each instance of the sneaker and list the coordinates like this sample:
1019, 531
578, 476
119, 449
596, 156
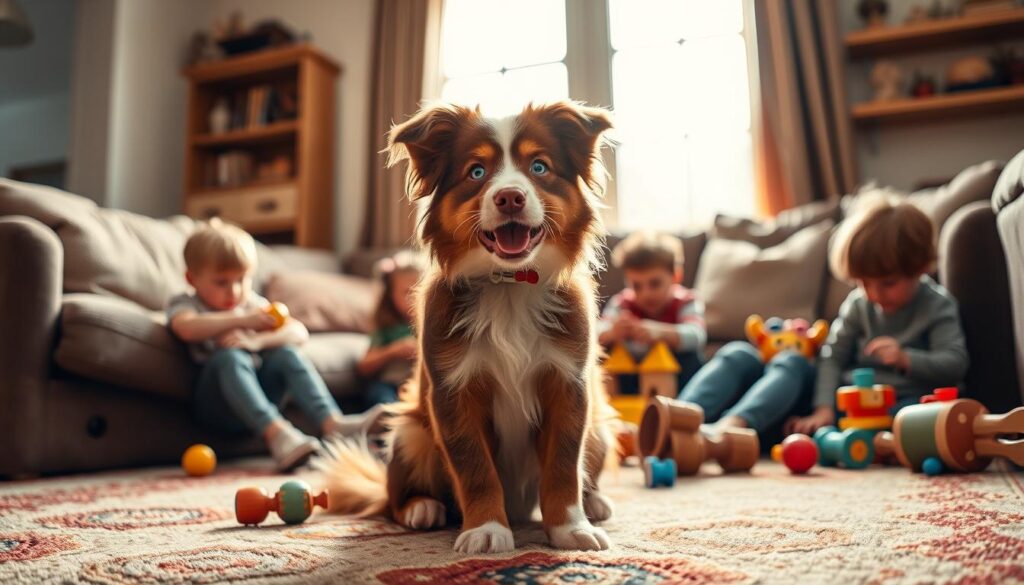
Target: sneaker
290, 448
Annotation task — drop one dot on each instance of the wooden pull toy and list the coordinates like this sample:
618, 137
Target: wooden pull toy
671, 429
293, 503
945, 432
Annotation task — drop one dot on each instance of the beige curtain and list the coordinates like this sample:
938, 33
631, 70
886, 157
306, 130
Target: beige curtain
803, 139
406, 32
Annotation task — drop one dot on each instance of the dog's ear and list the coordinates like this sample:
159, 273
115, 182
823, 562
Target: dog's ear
426, 140
582, 130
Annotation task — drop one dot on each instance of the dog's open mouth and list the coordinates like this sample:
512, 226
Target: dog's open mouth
512, 240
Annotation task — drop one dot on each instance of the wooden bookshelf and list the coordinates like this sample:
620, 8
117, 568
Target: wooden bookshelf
942, 106
936, 34
295, 205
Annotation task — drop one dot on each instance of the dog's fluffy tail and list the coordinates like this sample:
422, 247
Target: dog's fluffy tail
355, 479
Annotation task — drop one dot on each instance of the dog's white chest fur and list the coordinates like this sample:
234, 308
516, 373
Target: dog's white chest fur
508, 325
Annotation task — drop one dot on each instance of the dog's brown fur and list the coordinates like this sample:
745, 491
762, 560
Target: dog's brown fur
447, 461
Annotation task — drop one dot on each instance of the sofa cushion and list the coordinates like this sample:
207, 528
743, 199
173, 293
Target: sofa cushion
737, 278
335, 356
324, 301
975, 183
111, 251
114, 340
1010, 185
781, 227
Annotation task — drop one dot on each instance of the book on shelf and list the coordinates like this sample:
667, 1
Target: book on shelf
263, 104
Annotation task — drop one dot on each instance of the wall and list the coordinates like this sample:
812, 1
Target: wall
902, 155
34, 131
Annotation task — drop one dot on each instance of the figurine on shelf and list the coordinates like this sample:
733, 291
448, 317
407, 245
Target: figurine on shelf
886, 79
922, 85
873, 12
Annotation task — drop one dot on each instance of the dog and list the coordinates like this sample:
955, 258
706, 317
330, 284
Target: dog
506, 406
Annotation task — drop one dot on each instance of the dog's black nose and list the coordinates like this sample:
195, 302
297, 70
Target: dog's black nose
510, 201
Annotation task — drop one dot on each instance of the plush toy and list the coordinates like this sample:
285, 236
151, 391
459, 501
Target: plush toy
775, 335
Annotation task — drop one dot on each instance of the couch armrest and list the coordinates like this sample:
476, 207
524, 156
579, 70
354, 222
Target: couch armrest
973, 268
31, 277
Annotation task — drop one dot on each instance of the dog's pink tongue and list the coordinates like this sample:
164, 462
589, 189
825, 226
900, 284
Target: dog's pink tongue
512, 238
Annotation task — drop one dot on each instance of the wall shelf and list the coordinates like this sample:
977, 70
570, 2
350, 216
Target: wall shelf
260, 134
935, 34
942, 106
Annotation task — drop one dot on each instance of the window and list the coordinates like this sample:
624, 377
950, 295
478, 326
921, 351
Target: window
678, 82
502, 55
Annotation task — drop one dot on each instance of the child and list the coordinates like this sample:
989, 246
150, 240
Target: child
654, 306
247, 366
897, 321
393, 347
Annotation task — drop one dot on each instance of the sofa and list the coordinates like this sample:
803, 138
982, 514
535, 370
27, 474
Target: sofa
92, 379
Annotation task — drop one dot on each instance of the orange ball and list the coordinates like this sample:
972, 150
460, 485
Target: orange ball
199, 460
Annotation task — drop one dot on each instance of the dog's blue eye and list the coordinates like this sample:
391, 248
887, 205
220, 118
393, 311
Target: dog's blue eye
477, 172
538, 167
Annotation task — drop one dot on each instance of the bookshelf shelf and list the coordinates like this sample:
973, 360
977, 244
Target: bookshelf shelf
936, 34
269, 133
272, 170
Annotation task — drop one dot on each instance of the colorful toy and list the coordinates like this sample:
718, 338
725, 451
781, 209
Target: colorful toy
946, 433
775, 335
672, 429
279, 311
866, 404
798, 452
626, 439
852, 448
199, 460
659, 372
659, 472
293, 503
657, 375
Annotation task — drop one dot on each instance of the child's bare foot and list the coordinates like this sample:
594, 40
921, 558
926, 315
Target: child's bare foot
289, 446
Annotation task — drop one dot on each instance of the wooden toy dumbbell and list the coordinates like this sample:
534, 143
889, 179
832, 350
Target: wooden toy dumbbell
671, 429
956, 434
293, 503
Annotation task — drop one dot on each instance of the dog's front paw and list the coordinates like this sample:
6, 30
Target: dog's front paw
597, 507
580, 535
422, 514
489, 537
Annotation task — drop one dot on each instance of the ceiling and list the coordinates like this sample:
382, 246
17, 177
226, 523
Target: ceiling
43, 67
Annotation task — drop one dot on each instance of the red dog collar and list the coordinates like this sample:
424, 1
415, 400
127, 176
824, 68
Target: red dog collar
528, 276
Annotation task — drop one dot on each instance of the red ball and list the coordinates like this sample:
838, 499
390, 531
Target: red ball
799, 453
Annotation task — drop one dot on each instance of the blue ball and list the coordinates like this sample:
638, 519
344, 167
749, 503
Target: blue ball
932, 466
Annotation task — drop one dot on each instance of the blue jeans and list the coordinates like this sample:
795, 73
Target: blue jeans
233, 394
736, 383
379, 392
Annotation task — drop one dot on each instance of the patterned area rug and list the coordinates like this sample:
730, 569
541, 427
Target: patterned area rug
877, 526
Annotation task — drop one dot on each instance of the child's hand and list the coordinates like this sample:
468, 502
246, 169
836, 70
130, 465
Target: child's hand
240, 339
822, 416
258, 320
622, 328
888, 352
641, 334
405, 348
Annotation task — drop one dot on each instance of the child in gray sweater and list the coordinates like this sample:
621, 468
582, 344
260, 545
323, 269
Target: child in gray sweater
898, 320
